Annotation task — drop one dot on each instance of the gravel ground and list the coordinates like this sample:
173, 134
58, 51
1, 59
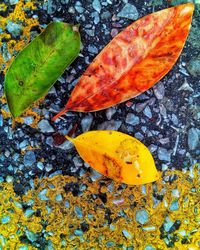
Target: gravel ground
165, 118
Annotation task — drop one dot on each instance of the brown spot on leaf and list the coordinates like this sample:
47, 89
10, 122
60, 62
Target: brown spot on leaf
112, 168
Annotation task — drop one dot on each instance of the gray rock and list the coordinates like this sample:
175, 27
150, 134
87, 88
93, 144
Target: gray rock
105, 15
110, 112
31, 236
96, 5
86, 123
95, 15
194, 67
140, 106
59, 197
9, 178
23, 248
23, 145
50, 141
149, 247
95, 175
5, 53
42, 195
174, 206
139, 136
92, 49
147, 112
168, 224
51, 7
132, 119
67, 145
79, 8
29, 212
40, 165
29, 159
5, 219
193, 138
110, 125
164, 154
1, 120
45, 127
153, 148
186, 87
48, 167
126, 234
159, 90
129, 11
142, 216
14, 29
28, 120
77, 161
78, 232
78, 212
13, 2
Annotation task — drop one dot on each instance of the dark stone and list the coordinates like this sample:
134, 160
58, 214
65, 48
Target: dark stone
103, 197
72, 187
85, 226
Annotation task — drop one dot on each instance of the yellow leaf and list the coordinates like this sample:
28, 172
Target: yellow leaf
117, 156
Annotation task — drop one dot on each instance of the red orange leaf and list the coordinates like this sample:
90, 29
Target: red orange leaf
133, 61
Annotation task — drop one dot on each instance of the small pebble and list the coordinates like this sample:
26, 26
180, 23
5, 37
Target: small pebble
14, 29
159, 90
13, 2
92, 49
164, 154
142, 217
29, 212
168, 224
45, 127
1, 120
78, 232
174, 206
110, 125
132, 119
193, 138
95, 175
147, 112
96, 5
67, 145
78, 211
59, 197
31, 236
9, 179
29, 158
42, 195
28, 120
110, 112
194, 67
114, 32
149, 247
86, 123
129, 11
40, 165
126, 234
5, 219
151, 228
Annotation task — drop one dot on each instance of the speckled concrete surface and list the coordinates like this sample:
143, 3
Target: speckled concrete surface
165, 118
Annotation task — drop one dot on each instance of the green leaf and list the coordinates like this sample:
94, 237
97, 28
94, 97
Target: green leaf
40, 64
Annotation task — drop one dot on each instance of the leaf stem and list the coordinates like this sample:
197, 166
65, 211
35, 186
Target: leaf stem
62, 112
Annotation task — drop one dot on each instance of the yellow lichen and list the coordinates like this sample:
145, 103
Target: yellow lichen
100, 232
17, 16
